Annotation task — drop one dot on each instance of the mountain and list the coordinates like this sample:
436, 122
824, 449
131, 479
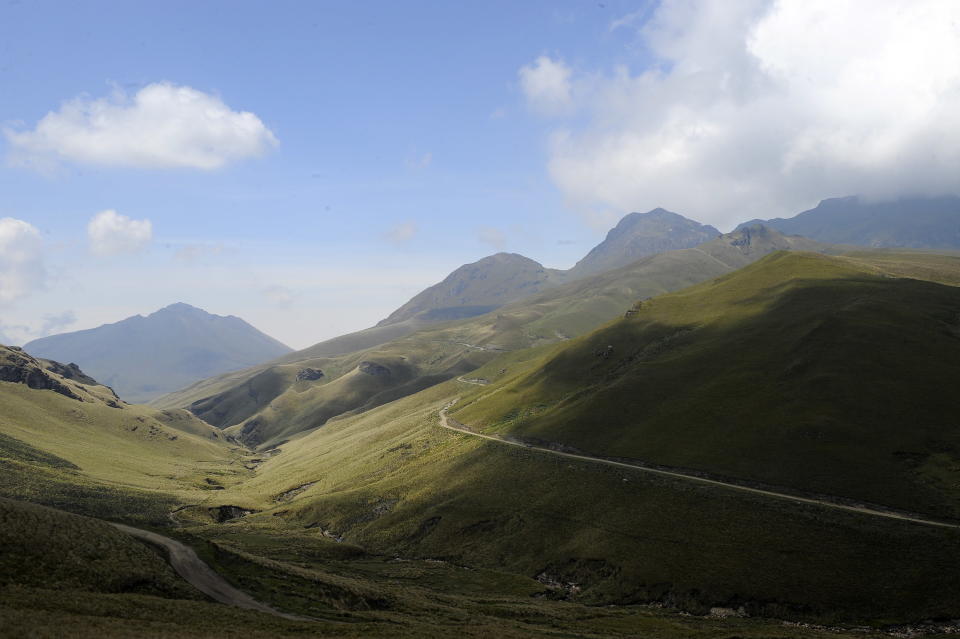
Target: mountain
266, 404
144, 357
487, 284
477, 288
784, 372
639, 235
931, 223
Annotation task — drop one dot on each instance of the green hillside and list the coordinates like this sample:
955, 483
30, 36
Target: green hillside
393, 483
76, 447
814, 373
268, 404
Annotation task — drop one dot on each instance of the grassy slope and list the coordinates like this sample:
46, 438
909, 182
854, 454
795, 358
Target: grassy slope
51, 549
272, 406
800, 371
119, 461
60, 571
392, 482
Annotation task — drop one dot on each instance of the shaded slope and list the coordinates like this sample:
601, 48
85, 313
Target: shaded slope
638, 235
392, 481
37, 541
271, 404
905, 223
143, 357
813, 373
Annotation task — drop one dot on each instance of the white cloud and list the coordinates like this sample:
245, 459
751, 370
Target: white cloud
759, 109
162, 126
492, 236
110, 233
22, 269
403, 232
546, 85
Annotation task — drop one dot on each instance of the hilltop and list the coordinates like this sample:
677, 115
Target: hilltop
144, 357
477, 288
639, 235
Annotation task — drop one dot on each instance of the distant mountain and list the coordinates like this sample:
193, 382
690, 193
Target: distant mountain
144, 357
639, 235
932, 223
487, 284
477, 288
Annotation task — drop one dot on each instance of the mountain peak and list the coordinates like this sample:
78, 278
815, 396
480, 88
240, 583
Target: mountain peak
476, 288
638, 235
181, 308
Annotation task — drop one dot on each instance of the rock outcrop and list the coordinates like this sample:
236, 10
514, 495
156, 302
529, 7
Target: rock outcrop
374, 369
20, 368
309, 374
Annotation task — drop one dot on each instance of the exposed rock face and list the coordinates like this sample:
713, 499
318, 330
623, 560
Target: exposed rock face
374, 369
18, 367
309, 374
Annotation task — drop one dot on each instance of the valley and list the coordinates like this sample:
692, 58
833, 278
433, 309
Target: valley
654, 449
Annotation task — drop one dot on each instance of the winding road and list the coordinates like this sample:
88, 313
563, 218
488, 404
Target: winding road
188, 565
822, 501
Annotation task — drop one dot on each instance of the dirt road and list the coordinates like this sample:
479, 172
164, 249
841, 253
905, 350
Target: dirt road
201, 576
825, 502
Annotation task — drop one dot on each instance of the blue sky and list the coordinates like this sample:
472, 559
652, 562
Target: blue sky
394, 141
386, 113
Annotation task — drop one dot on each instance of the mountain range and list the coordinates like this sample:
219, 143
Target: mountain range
931, 223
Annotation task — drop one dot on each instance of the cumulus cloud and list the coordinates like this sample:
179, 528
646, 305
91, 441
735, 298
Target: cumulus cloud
761, 108
22, 269
110, 233
546, 85
403, 232
161, 126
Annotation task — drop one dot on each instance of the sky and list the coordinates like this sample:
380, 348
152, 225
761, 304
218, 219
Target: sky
310, 166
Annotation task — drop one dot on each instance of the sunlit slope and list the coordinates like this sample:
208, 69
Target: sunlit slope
392, 481
270, 403
815, 373
81, 446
